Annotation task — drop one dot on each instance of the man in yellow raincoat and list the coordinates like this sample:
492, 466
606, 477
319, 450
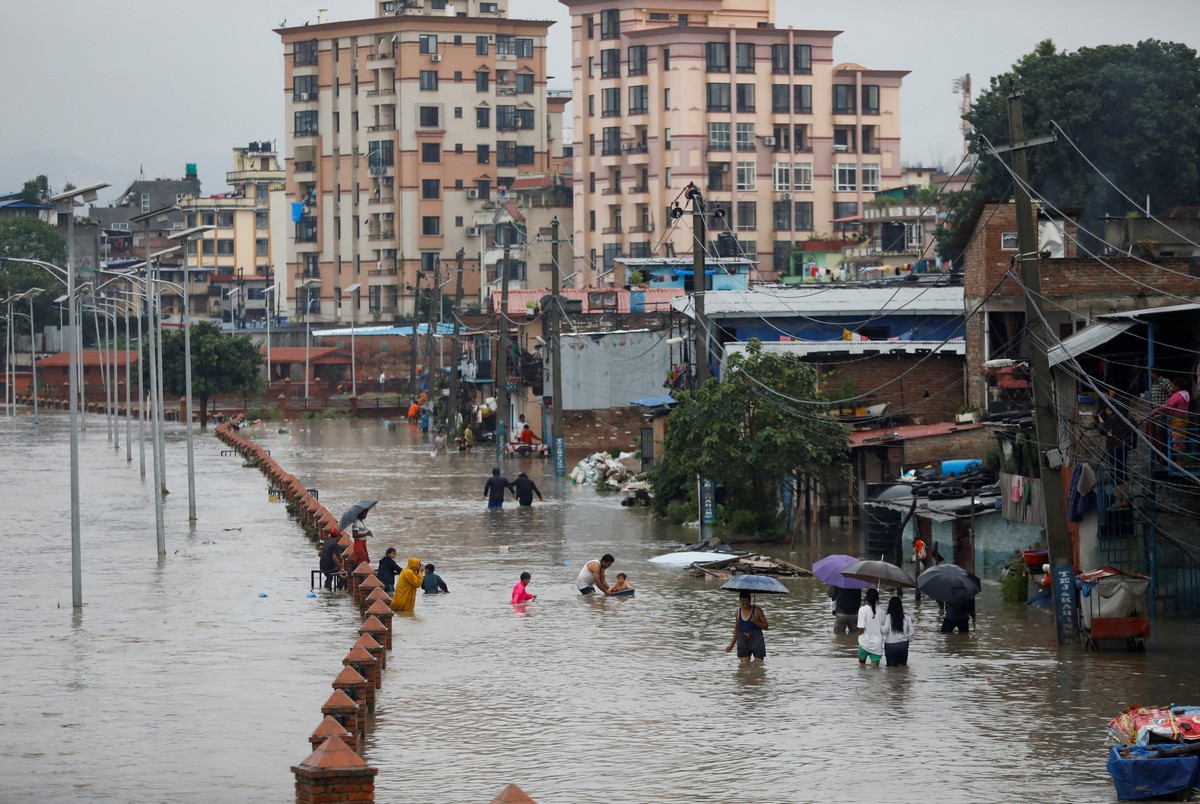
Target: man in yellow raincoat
405, 596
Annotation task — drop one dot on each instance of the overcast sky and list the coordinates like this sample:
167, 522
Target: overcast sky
98, 91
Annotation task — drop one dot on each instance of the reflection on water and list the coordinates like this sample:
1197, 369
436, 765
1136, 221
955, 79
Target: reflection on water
177, 675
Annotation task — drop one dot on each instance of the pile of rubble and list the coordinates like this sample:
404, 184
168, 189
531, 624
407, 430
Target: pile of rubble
600, 468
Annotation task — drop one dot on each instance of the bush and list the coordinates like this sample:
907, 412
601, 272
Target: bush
680, 512
1014, 587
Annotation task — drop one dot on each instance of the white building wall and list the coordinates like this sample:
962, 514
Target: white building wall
607, 370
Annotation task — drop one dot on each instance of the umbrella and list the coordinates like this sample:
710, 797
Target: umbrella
880, 572
759, 584
353, 511
828, 570
948, 583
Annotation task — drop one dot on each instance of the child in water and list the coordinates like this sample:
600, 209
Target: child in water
621, 585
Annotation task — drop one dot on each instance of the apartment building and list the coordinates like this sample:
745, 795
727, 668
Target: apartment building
401, 128
787, 141
238, 256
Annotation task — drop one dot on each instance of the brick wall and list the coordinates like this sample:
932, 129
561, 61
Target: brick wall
921, 389
967, 443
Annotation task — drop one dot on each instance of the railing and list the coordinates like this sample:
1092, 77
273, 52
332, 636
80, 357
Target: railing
383, 272
304, 167
382, 127
612, 191
611, 230
381, 235
643, 229
381, 56
374, 93
640, 189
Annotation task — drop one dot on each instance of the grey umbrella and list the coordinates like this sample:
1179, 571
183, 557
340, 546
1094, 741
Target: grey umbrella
758, 584
879, 572
353, 512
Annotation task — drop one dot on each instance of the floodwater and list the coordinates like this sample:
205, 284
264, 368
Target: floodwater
178, 678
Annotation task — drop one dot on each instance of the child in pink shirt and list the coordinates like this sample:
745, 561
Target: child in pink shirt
519, 595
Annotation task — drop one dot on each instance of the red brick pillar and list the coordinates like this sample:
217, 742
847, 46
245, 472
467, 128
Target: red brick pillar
379, 624
331, 728
353, 406
361, 573
281, 401
359, 687
368, 585
344, 710
379, 596
378, 651
367, 666
333, 774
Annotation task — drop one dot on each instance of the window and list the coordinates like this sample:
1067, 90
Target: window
380, 153
802, 99
844, 209
304, 87
658, 16
802, 58
481, 46
427, 43
431, 225
745, 136
428, 116
429, 79
225, 220
718, 136
667, 98
779, 59
207, 247
483, 154
745, 176
304, 53
870, 177
1008, 241
666, 59
610, 63
610, 23
610, 102
591, 26
431, 152
506, 118
843, 139
845, 177
262, 247
636, 59
870, 99
262, 220
683, 20
306, 123
716, 57
524, 83
745, 97
745, 57
591, 105
225, 247
506, 153
483, 117
914, 235
781, 99
484, 188
843, 99
781, 216
592, 217
802, 177
524, 48
483, 81
804, 216
781, 254
611, 140
431, 188
717, 173
639, 100
718, 97
747, 216
206, 218
489, 8
524, 119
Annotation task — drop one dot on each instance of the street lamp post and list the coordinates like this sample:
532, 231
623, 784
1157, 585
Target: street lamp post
89, 194
352, 292
184, 236
269, 291
307, 286
29, 294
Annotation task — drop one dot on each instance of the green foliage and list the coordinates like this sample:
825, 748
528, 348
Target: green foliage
31, 239
31, 192
221, 364
747, 434
1130, 108
1014, 587
680, 511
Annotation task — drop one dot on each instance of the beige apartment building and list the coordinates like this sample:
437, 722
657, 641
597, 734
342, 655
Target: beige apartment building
240, 254
761, 119
401, 129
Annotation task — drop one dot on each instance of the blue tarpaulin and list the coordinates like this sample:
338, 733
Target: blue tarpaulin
1145, 775
297, 211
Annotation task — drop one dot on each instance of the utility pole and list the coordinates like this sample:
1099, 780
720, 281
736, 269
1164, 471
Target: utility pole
435, 377
555, 322
414, 350
502, 353
452, 418
1045, 420
699, 282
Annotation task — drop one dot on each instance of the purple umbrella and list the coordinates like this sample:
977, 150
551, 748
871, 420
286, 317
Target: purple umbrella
829, 570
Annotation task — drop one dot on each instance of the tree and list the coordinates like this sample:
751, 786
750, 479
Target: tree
748, 435
32, 191
28, 238
221, 364
1130, 108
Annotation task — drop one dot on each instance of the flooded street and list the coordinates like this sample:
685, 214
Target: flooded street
177, 678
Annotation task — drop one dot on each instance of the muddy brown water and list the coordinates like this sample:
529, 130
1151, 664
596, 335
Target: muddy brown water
179, 678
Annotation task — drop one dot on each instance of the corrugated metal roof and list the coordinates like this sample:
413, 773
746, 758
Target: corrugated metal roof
797, 347
1087, 339
832, 299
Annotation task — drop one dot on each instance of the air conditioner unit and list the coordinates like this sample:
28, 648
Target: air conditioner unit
473, 193
769, 142
436, 57
473, 231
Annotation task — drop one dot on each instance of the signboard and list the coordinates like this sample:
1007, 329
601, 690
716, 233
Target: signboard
1065, 614
560, 456
501, 438
708, 501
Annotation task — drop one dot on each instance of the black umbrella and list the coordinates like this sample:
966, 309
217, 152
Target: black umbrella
352, 513
948, 583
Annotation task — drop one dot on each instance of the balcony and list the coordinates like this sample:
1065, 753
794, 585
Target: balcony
611, 230
305, 97
645, 228
382, 127
379, 170
382, 57
384, 271
612, 190
641, 189
381, 91
385, 235
304, 167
